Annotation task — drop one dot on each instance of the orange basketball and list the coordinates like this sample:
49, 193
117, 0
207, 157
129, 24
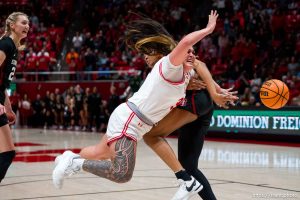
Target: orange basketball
274, 94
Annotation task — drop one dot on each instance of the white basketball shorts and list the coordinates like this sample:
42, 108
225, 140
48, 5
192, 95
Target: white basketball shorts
124, 122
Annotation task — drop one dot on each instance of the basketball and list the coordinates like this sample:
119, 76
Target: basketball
274, 94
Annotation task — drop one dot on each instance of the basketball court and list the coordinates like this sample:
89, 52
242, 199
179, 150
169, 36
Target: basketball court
236, 171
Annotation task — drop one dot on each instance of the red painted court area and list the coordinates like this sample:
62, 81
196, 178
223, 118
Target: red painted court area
38, 155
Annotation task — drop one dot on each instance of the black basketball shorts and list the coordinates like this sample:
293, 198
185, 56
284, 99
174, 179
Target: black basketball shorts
198, 102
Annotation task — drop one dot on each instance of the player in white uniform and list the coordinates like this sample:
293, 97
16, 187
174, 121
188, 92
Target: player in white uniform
171, 92
163, 89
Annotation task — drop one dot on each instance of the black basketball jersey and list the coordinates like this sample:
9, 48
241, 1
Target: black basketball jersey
9, 65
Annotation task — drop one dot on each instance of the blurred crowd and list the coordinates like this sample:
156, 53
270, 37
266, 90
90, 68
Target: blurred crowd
254, 41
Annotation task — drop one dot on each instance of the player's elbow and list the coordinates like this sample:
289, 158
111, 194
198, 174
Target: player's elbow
186, 42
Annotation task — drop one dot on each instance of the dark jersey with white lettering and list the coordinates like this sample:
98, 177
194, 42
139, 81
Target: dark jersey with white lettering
9, 65
7, 70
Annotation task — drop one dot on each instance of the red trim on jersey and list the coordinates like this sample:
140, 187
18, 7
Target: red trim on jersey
127, 122
171, 82
120, 136
124, 131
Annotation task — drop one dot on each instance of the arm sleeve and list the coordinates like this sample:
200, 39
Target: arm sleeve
171, 72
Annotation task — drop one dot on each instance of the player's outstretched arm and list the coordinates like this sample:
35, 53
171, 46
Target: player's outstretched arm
220, 99
178, 55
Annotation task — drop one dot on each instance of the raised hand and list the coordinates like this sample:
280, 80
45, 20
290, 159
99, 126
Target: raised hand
212, 21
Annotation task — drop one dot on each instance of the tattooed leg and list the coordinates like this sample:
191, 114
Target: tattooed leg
121, 166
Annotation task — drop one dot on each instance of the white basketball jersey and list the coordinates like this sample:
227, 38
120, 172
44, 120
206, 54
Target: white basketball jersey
158, 96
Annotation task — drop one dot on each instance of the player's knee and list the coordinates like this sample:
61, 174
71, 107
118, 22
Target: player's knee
148, 139
124, 177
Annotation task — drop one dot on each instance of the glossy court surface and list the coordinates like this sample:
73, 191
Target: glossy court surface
236, 171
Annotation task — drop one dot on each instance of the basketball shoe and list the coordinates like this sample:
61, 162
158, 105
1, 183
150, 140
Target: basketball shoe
65, 166
187, 189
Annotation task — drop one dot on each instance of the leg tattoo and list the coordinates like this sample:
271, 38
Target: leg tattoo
120, 168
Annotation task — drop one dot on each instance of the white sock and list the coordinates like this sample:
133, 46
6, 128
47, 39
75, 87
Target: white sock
79, 162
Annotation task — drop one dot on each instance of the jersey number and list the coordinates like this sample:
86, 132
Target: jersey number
12, 73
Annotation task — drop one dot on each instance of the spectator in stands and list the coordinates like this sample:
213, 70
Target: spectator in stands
245, 98
69, 113
293, 65
295, 101
50, 111
78, 101
94, 103
84, 114
31, 64
25, 110
134, 84
34, 21
77, 41
113, 100
15, 101
223, 42
43, 60
38, 118
72, 68
90, 62
72, 55
88, 41
59, 112
104, 116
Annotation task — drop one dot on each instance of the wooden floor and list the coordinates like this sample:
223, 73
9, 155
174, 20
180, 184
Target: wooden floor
236, 171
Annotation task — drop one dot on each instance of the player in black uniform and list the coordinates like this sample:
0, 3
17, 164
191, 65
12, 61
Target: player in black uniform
16, 28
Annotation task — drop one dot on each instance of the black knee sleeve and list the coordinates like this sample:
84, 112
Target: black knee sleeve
6, 159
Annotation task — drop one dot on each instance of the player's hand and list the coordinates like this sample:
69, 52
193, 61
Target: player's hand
212, 21
11, 116
196, 84
2, 109
222, 99
229, 92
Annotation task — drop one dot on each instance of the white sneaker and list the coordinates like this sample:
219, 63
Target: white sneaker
64, 167
57, 159
187, 189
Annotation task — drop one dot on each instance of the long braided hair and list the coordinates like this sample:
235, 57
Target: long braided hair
148, 36
12, 18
